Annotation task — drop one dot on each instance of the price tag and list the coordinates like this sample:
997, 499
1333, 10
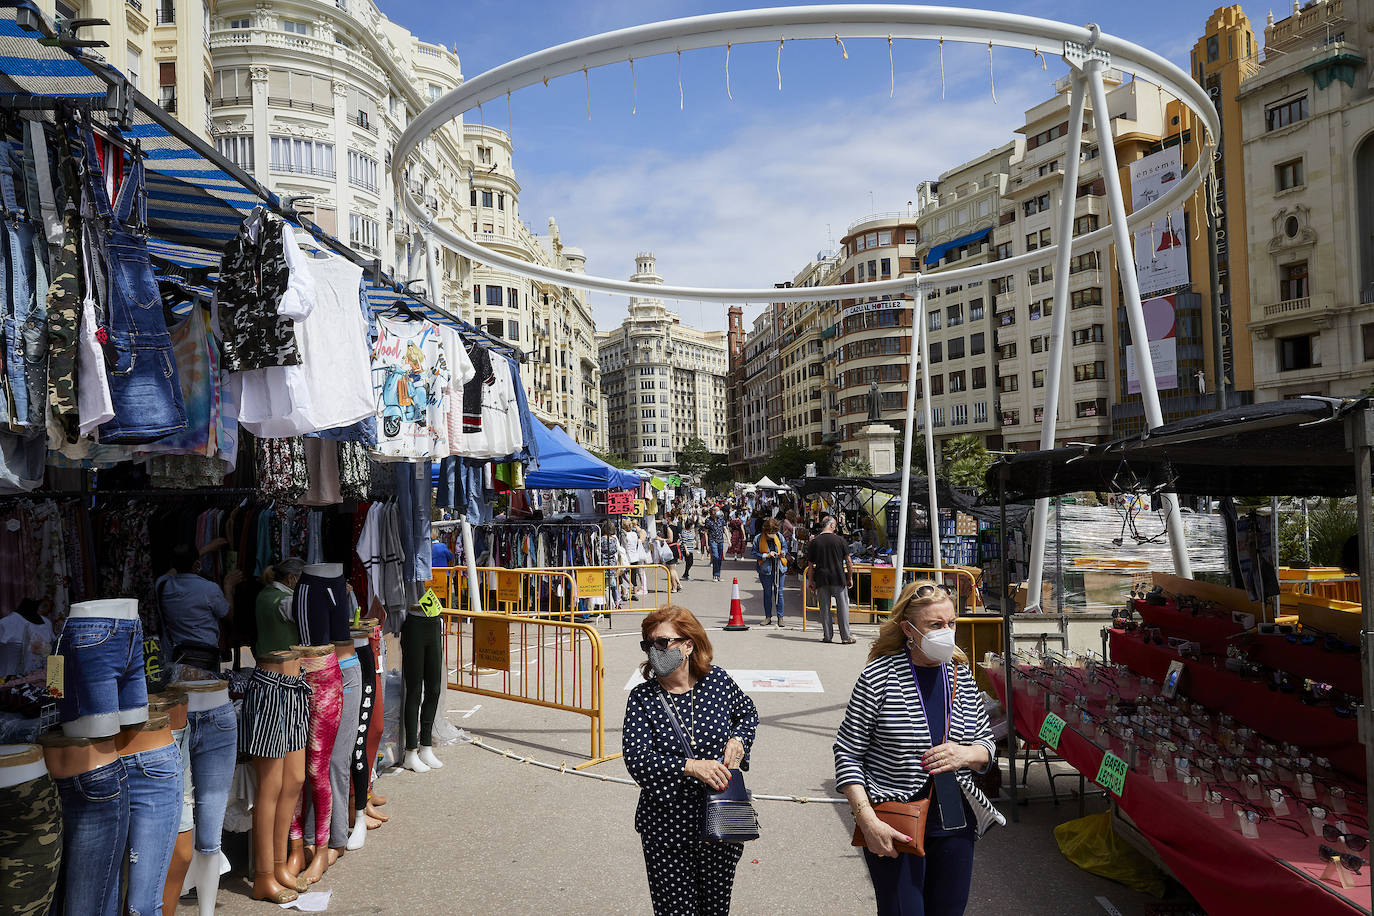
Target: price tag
640, 506
1051, 729
591, 583
1112, 774
429, 603
620, 502
57, 666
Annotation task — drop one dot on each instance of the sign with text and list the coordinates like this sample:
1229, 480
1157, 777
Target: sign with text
883, 305
884, 582
640, 506
508, 586
1161, 254
1051, 729
429, 603
1160, 331
591, 583
491, 643
1112, 774
620, 502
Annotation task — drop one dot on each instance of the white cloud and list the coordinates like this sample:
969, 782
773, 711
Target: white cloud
753, 209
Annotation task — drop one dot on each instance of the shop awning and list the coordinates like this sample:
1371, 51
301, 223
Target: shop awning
565, 465
939, 251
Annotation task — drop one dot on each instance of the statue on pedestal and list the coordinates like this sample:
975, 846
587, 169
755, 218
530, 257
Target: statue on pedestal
875, 410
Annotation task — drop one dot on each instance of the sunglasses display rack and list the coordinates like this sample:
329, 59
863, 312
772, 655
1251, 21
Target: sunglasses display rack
1246, 777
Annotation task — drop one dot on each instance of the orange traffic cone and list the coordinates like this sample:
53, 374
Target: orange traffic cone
736, 609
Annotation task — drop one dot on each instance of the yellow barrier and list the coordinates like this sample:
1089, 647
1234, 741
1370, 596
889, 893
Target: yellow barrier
1328, 582
861, 600
554, 591
555, 664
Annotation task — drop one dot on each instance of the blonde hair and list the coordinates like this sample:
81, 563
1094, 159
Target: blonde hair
891, 640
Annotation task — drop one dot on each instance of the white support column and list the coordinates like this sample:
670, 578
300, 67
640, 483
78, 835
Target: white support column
1068, 199
1130, 293
470, 555
933, 508
917, 315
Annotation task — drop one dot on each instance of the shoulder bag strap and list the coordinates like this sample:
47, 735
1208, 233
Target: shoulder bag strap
677, 726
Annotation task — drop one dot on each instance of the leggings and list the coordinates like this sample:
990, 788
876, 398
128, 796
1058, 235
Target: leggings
422, 668
687, 558
326, 707
362, 764
374, 729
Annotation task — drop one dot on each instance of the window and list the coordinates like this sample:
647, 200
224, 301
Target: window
363, 232
513, 297
362, 171
1213, 48
1045, 136
954, 316
1037, 344
1005, 319
936, 353
1036, 204
494, 296
1046, 168
872, 270
1042, 308
237, 149
1289, 111
303, 157
472, 197
1097, 407
884, 238
1001, 251
956, 348
1082, 262
958, 414
231, 86
937, 384
1293, 281
512, 330
133, 66
1038, 414
1288, 175
1011, 418
975, 310
980, 377
362, 110
1007, 351
1085, 224
487, 199
886, 265
166, 12
937, 415
933, 320
1006, 383
1003, 285
1091, 334
1084, 298
1298, 352
484, 155
1036, 240
295, 26
1084, 372
956, 381
1095, 188
913, 264
476, 293
240, 23
291, 89
976, 344
1039, 275
980, 411
1367, 335
500, 200
861, 271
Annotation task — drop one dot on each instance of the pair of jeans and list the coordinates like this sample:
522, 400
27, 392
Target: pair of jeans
717, 556
326, 701
212, 738
772, 594
934, 885
95, 833
142, 371
341, 755
105, 680
422, 670
154, 783
839, 594
25, 301
30, 846
414, 487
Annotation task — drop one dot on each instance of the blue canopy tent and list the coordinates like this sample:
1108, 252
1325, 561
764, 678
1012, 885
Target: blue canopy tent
565, 465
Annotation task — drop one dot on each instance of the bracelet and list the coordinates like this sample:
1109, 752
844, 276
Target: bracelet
857, 811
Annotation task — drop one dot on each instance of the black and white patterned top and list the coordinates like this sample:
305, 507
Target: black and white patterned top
671, 803
253, 278
884, 734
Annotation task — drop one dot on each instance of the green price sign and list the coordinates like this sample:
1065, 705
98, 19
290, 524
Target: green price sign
1112, 774
1051, 729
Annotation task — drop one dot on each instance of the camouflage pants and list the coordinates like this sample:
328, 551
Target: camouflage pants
30, 846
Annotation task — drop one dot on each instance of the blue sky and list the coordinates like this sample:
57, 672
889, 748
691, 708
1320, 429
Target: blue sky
745, 192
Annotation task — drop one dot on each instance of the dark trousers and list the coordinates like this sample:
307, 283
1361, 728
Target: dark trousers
687, 559
936, 885
422, 669
693, 878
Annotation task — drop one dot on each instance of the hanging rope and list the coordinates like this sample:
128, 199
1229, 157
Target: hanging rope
634, 89
587, 77
891, 73
727, 72
843, 52
780, 41
679, 79
510, 120
990, 80
942, 69
1040, 57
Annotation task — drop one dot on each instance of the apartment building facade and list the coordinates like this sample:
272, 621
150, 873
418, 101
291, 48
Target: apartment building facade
800, 371
664, 381
760, 390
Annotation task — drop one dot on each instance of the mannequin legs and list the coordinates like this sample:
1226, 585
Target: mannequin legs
293, 778
267, 870
176, 873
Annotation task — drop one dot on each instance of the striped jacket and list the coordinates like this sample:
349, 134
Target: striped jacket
884, 735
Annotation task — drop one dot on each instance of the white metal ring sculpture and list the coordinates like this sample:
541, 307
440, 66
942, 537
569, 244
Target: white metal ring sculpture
791, 24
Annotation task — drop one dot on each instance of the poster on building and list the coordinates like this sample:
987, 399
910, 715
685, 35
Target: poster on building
1160, 332
1161, 251
882, 305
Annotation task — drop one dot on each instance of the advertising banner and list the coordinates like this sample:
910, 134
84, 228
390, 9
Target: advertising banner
1161, 251
1159, 331
882, 305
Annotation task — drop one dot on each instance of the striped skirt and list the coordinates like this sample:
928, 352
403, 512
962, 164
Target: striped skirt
276, 715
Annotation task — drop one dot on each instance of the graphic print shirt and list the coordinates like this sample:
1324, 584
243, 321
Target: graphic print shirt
410, 381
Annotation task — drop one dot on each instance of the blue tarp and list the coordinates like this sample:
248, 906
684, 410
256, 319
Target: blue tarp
939, 251
565, 465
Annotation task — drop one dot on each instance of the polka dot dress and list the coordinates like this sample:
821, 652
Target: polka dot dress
687, 875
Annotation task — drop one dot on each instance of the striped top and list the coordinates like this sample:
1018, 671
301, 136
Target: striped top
884, 734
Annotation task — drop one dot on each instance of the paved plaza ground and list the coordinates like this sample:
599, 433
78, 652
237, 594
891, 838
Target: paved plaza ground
486, 834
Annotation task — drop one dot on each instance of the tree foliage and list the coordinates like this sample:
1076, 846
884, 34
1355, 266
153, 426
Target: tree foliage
790, 459
695, 459
962, 461
852, 467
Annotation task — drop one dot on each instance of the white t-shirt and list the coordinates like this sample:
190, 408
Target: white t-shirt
333, 341
410, 381
23, 645
461, 371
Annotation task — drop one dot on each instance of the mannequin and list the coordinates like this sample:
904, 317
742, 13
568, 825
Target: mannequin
320, 668
422, 670
350, 671
360, 766
211, 743
104, 686
30, 822
173, 703
275, 731
95, 822
374, 728
320, 604
152, 769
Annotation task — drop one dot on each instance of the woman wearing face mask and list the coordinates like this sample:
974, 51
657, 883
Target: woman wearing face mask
687, 874
916, 728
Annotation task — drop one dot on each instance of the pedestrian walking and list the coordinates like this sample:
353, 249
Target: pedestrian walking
915, 728
832, 576
715, 540
687, 538
687, 874
771, 563
737, 535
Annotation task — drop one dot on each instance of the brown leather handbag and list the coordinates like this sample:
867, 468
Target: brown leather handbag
908, 817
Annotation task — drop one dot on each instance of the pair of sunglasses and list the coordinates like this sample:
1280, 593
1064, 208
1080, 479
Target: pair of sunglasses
1352, 841
662, 643
930, 588
1349, 861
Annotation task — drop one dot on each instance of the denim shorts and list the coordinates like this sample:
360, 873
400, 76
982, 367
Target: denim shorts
104, 674
212, 739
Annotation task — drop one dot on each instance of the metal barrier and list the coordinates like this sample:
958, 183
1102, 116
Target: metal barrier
566, 592
967, 599
555, 664
1330, 582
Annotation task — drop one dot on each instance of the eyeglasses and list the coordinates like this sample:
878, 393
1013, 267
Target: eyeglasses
1352, 840
925, 591
662, 643
1254, 816
1349, 861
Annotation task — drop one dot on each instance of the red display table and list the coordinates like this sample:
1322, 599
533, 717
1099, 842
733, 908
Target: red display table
1280, 872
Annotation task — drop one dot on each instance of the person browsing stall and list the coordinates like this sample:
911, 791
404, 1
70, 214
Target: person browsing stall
192, 606
687, 874
915, 728
832, 576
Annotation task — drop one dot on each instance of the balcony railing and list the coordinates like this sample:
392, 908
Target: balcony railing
360, 119
166, 15
1288, 307
293, 169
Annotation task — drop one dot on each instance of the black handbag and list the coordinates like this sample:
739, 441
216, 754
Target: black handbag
730, 815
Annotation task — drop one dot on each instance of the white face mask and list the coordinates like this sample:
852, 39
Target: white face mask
936, 645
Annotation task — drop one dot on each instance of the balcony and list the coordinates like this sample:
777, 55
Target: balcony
1308, 308
166, 15
293, 43
360, 119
